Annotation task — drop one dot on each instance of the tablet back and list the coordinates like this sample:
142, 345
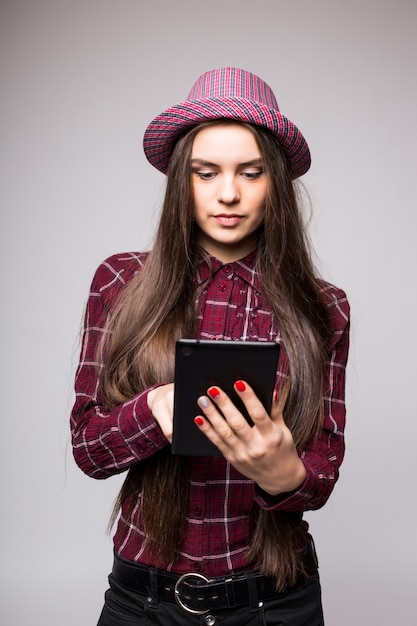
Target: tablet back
199, 364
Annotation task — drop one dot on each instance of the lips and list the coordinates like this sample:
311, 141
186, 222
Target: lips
228, 220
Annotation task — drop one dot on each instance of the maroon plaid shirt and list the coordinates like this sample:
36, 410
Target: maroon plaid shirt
107, 443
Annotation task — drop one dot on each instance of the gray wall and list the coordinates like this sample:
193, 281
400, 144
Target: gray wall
80, 81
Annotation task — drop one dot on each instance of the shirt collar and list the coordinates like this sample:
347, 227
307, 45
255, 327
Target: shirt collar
207, 267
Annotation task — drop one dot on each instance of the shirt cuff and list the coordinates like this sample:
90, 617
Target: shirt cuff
292, 501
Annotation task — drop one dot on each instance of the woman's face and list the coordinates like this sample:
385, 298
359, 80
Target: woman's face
229, 188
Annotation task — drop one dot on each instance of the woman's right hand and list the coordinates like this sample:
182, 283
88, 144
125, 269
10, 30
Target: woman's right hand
161, 404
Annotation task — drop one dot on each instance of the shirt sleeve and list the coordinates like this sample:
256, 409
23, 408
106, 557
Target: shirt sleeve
323, 456
107, 442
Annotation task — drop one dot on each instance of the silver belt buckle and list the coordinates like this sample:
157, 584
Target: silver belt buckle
177, 593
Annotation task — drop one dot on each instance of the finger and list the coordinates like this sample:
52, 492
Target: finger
217, 421
253, 405
214, 426
161, 403
283, 394
229, 412
279, 401
164, 420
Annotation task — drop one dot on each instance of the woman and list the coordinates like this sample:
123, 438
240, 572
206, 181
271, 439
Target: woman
202, 540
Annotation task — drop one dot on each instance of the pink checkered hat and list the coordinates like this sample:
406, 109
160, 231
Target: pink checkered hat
229, 93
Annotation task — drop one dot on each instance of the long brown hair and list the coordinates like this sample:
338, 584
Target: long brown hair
158, 306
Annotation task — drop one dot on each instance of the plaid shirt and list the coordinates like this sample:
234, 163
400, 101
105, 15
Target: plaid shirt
107, 443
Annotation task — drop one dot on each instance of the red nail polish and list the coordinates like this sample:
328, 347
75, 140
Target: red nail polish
240, 385
213, 392
199, 420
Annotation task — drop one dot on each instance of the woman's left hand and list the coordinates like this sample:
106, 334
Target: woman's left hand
266, 452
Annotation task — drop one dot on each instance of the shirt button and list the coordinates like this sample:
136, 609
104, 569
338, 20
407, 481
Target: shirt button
222, 287
226, 269
197, 512
197, 567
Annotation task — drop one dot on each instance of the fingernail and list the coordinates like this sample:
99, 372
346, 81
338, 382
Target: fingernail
240, 385
199, 420
203, 402
213, 392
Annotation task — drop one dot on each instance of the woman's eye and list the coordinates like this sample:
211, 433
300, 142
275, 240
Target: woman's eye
252, 175
205, 175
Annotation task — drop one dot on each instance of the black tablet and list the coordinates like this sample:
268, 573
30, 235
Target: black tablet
199, 364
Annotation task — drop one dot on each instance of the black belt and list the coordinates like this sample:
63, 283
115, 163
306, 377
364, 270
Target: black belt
197, 594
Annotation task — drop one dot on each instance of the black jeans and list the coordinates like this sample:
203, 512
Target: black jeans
301, 607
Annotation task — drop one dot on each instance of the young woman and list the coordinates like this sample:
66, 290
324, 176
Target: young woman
206, 540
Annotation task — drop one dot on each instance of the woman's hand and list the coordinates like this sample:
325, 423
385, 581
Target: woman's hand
161, 404
266, 452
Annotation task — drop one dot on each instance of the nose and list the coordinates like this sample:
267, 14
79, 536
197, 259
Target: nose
228, 191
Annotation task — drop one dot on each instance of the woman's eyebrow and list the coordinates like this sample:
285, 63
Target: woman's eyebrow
203, 162
253, 163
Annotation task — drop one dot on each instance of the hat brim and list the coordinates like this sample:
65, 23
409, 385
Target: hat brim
162, 132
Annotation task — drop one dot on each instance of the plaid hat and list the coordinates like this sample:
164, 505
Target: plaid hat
227, 93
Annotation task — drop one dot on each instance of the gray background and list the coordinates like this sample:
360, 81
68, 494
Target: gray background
80, 81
